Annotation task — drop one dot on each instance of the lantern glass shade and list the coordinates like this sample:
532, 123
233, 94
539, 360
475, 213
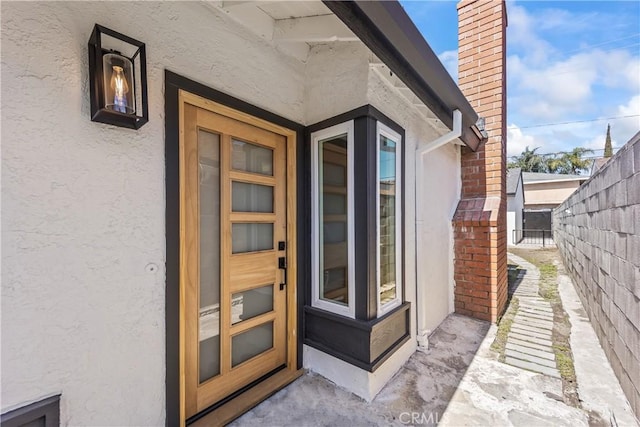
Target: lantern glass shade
119, 85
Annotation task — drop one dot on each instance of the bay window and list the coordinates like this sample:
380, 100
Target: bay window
355, 310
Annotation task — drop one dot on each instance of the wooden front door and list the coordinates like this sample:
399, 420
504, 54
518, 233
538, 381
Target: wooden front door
235, 245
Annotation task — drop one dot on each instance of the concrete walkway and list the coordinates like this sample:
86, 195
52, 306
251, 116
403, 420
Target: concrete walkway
529, 343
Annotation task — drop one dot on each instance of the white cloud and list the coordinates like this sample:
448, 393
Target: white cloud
449, 59
631, 108
518, 141
522, 33
623, 129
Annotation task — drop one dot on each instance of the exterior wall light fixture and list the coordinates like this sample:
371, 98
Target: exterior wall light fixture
117, 79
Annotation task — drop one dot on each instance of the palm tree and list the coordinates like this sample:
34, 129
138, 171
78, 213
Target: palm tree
556, 164
575, 162
529, 161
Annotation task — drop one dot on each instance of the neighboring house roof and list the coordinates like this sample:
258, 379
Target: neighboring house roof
513, 179
598, 163
386, 29
531, 177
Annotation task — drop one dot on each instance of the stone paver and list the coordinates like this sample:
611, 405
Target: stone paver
528, 338
529, 328
544, 354
540, 335
552, 372
534, 316
527, 357
529, 343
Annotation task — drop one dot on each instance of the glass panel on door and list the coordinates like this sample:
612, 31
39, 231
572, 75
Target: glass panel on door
251, 237
251, 197
248, 304
251, 343
251, 158
209, 313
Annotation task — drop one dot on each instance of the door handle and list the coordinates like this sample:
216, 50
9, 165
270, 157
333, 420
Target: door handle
282, 265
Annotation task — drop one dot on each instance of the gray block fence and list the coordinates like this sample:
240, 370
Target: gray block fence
597, 231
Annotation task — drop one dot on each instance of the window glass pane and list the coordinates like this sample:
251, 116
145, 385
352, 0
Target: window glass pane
251, 237
209, 315
332, 185
334, 285
251, 158
335, 175
334, 204
387, 189
251, 303
335, 232
251, 343
251, 197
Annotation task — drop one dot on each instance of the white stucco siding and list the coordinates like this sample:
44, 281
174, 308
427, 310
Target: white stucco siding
515, 205
428, 212
438, 197
83, 241
335, 80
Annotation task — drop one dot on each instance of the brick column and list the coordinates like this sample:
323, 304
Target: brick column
480, 219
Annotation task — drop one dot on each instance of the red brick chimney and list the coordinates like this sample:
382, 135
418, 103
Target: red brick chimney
480, 219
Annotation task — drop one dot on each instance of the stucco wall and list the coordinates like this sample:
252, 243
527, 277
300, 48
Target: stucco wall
335, 80
83, 203
597, 231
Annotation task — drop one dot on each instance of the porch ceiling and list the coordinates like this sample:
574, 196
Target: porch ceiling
294, 27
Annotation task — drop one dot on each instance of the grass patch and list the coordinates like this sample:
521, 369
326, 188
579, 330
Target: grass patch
564, 362
548, 283
504, 327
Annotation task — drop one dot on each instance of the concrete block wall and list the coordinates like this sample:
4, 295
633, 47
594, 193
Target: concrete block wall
480, 221
597, 230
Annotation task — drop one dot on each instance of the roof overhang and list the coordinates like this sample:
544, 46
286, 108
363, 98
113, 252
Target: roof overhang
386, 29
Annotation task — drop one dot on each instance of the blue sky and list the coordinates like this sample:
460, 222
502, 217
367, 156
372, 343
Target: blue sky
566, 61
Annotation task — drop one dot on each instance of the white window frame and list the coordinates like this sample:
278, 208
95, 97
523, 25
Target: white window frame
383, 130
334, 307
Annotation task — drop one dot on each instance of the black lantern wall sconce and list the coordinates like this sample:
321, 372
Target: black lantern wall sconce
117, 79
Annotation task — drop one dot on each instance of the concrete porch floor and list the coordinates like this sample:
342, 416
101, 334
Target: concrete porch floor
457, 382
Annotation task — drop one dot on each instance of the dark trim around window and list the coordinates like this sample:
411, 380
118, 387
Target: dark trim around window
47, 409
173, 83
